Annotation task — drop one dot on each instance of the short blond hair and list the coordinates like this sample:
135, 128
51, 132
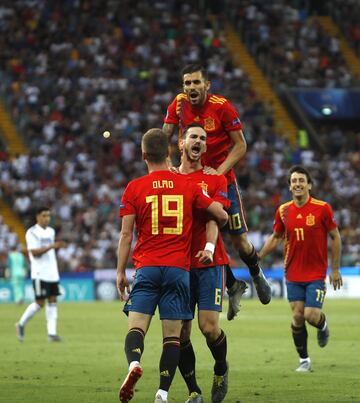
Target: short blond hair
156, 145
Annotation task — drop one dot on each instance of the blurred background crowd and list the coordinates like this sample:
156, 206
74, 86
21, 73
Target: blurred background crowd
71, 70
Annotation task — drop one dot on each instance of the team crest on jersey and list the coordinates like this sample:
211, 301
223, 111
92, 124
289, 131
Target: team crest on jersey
204, 187
209, 124
310, 220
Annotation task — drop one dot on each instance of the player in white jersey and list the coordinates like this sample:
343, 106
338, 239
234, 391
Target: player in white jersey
41, 245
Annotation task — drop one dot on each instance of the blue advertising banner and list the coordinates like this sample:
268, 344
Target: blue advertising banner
101, 285
71, 290
329, 103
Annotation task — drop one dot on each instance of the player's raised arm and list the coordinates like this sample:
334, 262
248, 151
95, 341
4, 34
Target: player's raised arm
335, 275
271, 244
169, 129
236, 153
125, 239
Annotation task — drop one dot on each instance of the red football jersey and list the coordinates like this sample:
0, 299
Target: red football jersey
216, 187
218, 118
163, 204
305, 231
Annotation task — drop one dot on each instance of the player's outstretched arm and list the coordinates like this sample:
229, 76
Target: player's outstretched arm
169, 129
125, 239
270, 244
335, 275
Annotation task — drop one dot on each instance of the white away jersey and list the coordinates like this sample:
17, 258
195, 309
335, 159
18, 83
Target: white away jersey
43, 267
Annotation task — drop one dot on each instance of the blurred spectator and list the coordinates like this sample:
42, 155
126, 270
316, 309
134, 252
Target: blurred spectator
347, 17
17, 267
291, 47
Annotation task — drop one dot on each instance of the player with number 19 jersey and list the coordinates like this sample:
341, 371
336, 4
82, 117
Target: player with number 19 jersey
217, 116
305, 230
216, 187
163, 204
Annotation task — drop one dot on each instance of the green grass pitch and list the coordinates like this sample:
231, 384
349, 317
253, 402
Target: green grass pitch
90, 364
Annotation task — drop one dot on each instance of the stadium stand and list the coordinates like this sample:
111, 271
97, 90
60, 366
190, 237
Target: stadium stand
346, 14
292, 47
71, 71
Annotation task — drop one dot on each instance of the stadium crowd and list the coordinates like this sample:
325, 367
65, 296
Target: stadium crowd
71, 71
347, 17
292, 48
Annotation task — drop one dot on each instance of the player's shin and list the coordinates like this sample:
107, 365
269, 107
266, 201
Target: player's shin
134, 345
218, 350
169, 361
252, 261
322, 322
187, 366
30, 311
300, 337
51, 318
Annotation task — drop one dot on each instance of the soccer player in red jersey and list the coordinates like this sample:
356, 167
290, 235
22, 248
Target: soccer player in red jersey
304, 224
160, 204
226, 145
207, 272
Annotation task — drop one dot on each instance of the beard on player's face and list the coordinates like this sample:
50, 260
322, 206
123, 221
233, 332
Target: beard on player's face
191, 156
197, 96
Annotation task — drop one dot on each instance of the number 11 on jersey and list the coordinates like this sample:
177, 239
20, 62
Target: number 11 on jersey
299, 234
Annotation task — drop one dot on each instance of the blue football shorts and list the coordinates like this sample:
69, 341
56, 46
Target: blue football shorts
207, 288
161, 286
311, 292
237, 222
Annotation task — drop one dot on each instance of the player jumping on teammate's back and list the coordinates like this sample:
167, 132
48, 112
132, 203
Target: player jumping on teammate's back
226, 145
304, 223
